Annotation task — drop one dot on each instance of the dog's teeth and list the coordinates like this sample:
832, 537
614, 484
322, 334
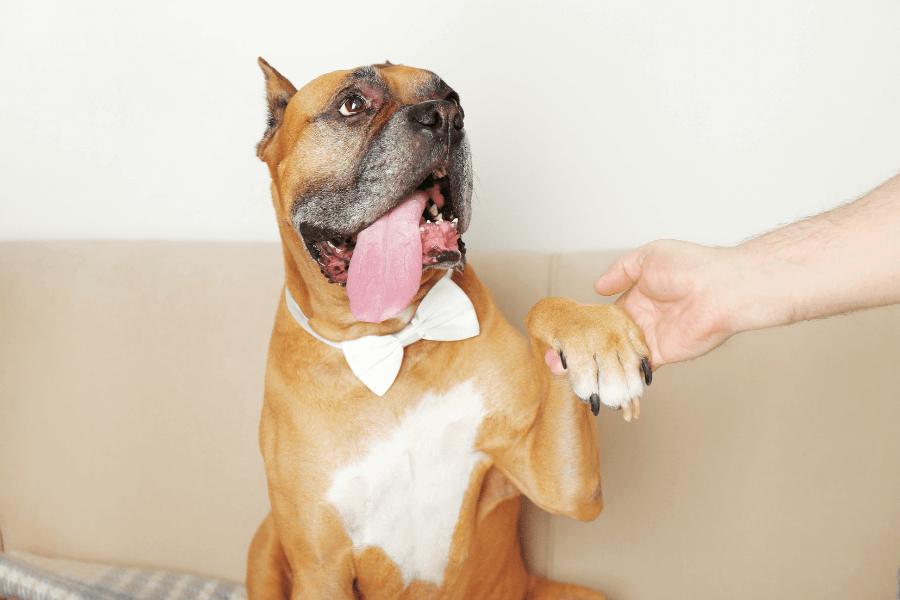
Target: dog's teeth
439, 219
421, 229
433, 210
439, 173
455, 221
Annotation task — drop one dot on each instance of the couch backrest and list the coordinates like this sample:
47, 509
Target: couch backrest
131, 377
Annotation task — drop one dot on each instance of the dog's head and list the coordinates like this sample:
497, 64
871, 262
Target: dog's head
372, 170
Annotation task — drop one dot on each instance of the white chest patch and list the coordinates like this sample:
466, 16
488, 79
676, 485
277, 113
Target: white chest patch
406, 493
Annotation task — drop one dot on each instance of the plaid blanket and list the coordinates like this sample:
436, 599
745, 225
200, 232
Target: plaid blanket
28, 577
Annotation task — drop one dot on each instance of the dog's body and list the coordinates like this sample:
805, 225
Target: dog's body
414, 494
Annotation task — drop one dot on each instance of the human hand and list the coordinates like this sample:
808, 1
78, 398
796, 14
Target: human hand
685, 298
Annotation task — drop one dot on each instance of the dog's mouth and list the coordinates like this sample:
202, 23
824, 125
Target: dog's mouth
442, 246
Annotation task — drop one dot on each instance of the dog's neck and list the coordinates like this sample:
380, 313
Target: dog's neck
326, 305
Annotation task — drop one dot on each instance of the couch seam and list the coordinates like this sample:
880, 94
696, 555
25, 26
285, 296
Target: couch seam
553, 275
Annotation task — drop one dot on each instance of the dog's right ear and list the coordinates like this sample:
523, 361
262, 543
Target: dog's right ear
279, 92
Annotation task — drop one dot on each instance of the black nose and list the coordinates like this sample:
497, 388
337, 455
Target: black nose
436, 114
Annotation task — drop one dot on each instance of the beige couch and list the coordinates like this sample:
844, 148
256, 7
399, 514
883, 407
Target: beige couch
131, 378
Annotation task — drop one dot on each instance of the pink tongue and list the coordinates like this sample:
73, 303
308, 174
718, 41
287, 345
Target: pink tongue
386, 266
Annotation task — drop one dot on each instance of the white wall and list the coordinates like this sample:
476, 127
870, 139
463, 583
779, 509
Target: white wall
594, 125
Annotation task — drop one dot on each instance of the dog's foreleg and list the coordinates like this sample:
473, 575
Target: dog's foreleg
268, 571
555, 460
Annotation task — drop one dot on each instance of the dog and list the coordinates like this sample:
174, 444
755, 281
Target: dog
404, 482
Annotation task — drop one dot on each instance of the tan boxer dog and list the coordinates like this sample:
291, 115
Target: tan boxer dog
412, 491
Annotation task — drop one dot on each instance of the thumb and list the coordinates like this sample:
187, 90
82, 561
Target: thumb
621, 275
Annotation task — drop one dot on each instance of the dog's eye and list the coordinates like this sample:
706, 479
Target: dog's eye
352, 106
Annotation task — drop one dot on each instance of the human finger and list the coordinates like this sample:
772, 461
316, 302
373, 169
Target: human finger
621, 275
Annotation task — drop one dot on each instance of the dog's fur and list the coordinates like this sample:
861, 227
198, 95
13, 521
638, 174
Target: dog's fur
414, 494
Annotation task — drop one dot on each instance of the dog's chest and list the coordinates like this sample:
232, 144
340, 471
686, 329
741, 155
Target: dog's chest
405, 495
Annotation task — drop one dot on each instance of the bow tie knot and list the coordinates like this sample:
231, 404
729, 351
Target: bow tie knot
409, 334
445, 314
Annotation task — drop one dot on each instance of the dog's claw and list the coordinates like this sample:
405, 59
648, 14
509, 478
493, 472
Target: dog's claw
595, 404
648, 373
637, 407
626, 410
562, 358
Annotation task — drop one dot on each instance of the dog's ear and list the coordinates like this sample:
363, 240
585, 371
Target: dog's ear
279, 92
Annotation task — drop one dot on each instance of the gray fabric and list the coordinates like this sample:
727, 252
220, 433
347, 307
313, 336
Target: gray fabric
28, 577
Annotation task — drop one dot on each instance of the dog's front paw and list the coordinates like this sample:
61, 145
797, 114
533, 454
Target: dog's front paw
600, 350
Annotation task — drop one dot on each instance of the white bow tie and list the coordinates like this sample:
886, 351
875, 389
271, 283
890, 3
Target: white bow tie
445, 314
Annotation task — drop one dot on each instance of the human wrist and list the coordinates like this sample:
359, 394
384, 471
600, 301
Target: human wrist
771, 288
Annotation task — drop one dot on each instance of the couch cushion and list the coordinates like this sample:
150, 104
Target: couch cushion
132, 381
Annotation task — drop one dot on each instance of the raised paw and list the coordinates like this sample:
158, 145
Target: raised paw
598, 348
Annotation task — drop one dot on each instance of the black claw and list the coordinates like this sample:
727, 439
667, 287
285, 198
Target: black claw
562, 358
595, 404
648, 374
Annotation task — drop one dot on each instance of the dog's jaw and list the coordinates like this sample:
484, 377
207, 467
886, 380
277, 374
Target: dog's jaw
439, 227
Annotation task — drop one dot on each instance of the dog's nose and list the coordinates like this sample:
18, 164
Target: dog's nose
435, 114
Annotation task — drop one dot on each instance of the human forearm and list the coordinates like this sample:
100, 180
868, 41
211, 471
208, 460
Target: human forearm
842, 260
